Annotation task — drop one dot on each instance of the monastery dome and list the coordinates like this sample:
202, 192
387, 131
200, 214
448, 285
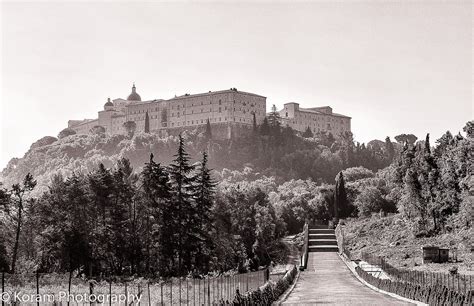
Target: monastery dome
108, 104
134, 96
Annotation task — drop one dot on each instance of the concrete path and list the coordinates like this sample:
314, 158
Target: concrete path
327, 280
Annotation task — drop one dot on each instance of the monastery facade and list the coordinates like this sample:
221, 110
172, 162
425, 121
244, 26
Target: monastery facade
230, 112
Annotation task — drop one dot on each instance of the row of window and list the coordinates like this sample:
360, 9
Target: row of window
315, 117
179, 106
328, 127
203, 121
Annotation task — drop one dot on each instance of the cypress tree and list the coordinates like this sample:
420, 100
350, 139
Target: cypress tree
307, 133
147, 123
341, 209
254, 123
208, 132
389, 149
428, 177
265, 127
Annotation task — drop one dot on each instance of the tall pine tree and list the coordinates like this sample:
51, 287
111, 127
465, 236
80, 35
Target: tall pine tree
182, 180
204, 201
159, 220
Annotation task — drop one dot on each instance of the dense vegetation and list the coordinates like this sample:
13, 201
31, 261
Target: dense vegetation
105, 205
166, 220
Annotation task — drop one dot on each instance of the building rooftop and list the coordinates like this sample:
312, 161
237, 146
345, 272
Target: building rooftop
309, 110
215, 92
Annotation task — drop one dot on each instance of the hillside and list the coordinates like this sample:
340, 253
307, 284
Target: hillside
82, 153
282, 155
392, 238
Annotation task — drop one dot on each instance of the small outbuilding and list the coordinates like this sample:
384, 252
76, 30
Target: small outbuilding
434, 254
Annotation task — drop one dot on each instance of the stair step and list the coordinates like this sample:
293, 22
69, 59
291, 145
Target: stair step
322, 236
318, 226
322, 242
323, 248
321, 231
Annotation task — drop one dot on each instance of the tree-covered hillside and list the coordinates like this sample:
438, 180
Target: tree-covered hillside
270, 150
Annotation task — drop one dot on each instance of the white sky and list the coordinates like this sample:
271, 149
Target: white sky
394, 67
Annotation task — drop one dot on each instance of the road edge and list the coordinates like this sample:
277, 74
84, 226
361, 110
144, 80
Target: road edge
352, 269
288, 291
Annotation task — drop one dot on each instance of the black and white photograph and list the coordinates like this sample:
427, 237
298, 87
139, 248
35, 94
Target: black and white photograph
258, 152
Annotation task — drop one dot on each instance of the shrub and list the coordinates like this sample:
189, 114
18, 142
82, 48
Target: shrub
66, 132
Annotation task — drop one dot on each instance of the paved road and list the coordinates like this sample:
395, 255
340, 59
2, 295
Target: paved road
329, 281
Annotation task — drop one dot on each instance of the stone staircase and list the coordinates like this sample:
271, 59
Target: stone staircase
321, 239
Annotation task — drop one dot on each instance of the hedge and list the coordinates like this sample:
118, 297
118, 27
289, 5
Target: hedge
265, 295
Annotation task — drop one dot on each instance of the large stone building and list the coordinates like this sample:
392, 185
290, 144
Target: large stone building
230, 112
318, 119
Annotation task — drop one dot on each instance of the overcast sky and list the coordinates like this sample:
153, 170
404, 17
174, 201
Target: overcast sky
394, 67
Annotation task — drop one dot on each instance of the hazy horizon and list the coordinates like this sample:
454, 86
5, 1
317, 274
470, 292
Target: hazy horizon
394, 67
